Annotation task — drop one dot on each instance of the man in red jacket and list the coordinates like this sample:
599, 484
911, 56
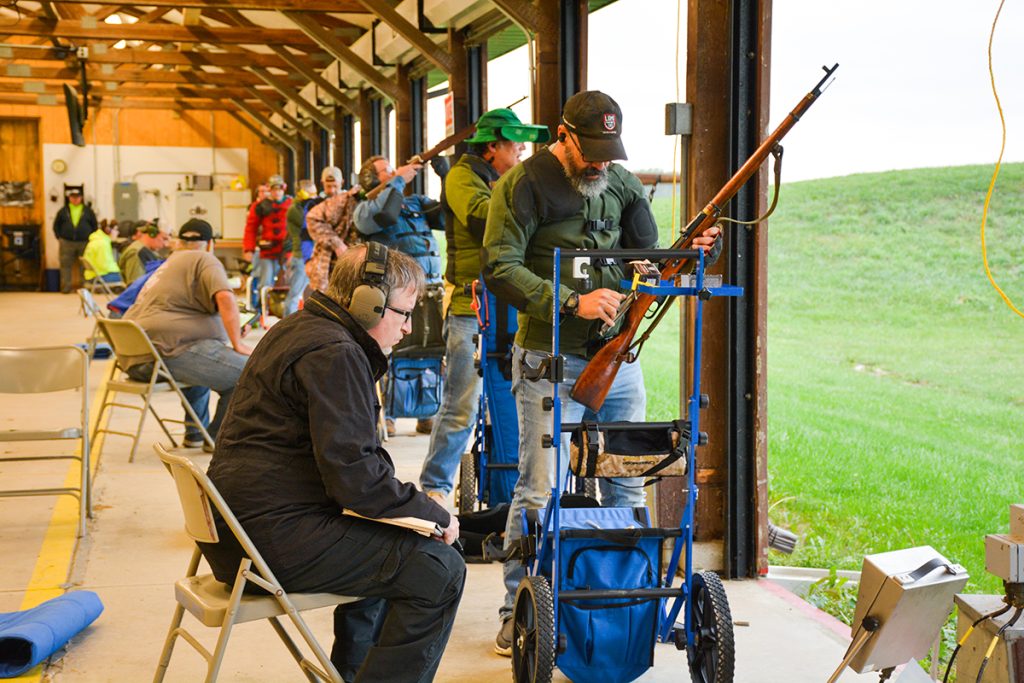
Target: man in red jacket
265, 230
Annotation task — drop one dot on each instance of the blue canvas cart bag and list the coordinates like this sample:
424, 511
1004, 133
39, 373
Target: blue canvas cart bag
503, 431
607, 640
414, 387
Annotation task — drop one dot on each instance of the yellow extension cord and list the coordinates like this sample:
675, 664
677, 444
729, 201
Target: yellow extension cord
995, 173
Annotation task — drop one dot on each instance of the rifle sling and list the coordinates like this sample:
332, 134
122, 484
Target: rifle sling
777, 153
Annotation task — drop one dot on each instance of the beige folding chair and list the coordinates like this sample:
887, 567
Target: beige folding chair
130, 343
218, 605
109, 288
90, 309
45, 370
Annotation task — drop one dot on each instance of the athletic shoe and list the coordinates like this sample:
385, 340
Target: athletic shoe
503, 643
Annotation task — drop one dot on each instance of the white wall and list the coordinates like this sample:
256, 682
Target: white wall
157, 170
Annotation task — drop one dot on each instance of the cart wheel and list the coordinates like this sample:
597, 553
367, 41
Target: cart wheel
533, 637
467, 484
713, 654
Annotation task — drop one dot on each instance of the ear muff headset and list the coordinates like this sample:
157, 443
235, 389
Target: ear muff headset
368, 173
369, 299
151, 230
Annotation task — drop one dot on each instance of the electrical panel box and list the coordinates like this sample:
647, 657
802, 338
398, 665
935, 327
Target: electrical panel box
204, 205
234, 210
1004, 553
126, 204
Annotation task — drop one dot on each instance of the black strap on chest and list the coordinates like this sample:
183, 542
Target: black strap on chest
603, 225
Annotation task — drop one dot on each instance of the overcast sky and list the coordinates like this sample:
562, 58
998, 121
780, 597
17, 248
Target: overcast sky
912, 89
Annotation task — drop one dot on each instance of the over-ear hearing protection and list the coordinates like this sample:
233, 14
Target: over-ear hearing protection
151, 230
369, 299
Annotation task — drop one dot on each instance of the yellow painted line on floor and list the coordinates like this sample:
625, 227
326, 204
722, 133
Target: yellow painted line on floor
53, 565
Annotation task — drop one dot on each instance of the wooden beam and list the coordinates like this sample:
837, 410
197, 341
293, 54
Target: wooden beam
223, 60
142, 76
283, 113
428, 48
254, 128
526, 13
343, 53
313, 75
344, 6
160, 33
274, 130
119, 103
288, 92
136, 91
191, 16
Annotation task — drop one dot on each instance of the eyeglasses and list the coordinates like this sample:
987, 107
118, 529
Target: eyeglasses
399, 311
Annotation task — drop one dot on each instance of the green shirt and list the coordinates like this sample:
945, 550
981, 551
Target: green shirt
465, 197
533, 210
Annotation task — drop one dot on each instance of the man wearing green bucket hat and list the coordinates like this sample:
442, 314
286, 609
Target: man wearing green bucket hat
495, 148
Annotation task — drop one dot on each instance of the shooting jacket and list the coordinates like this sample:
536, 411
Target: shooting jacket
464, 200
266, 227
409, 232
535, 209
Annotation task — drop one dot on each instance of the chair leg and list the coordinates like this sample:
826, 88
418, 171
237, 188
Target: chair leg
172, 636
99, 417
191, 413
160, 421
318, 651
293, 649
142, 420
229, 621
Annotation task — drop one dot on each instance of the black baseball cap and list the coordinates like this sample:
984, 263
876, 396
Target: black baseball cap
596, 121
195, 230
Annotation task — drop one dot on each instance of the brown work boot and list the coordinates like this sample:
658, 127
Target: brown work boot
424, 425
389, 425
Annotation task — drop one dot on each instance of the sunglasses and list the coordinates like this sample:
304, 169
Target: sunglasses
399, 311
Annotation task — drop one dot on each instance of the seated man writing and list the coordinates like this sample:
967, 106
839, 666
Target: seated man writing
299, 444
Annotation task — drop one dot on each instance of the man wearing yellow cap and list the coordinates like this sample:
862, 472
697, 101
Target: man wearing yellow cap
495, 148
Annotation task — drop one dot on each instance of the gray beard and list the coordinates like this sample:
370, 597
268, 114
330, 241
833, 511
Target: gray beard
588, 189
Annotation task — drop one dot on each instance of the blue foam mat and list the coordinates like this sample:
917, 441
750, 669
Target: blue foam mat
29, 637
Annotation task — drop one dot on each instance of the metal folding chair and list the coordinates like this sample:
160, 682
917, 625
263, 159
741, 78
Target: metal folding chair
98, 281
129, 341
90, 309
45, 370
218, 605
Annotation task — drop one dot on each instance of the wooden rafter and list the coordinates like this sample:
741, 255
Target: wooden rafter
343, 53
285, 116
428, 48
524, 12
313, 75
341, 6
280, 134
132, 56
289, 93
141, 76
160, 33
256, 130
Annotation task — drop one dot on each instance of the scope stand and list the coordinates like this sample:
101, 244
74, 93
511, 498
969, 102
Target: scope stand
871, 626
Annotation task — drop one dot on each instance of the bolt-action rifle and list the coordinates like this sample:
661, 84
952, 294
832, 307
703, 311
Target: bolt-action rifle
593, 384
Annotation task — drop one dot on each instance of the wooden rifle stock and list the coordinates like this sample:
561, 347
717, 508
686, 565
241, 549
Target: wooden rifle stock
593, 384
424, 157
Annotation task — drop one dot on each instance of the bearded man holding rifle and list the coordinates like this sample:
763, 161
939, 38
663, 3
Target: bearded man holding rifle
572, 196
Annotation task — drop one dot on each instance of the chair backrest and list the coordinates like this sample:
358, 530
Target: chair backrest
89, 305
88, 265
127, 338
194, 493
44, 369
199, 497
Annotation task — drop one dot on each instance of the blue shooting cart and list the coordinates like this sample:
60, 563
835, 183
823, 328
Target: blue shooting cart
597, 596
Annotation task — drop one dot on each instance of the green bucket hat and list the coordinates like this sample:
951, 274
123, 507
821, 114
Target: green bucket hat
505, 122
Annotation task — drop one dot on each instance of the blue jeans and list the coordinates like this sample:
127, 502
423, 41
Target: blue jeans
207, 364
454, 425
297, 281
265, 271
627, 401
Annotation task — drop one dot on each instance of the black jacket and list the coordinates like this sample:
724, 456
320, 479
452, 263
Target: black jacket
66, 230
299, 441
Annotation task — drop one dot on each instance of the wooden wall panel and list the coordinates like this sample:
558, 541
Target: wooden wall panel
22, 160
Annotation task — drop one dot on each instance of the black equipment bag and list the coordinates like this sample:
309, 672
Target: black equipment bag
627, 449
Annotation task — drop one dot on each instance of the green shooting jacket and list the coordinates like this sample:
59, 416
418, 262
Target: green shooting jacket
464, 198
535, 209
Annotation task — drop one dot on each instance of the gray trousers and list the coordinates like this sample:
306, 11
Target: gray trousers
70, 252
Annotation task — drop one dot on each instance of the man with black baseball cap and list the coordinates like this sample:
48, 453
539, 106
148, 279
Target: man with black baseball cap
72, 225
188, 309
570, 195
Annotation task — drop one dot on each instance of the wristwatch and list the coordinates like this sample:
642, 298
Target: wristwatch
572, 304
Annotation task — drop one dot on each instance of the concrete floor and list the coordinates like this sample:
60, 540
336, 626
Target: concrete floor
135, 549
